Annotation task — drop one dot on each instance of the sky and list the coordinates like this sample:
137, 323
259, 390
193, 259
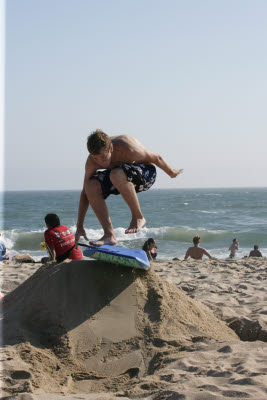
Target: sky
187, 78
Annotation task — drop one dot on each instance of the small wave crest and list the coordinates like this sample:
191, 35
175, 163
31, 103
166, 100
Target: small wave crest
30, 241
186, 234
178, 234
18, 240
95, 234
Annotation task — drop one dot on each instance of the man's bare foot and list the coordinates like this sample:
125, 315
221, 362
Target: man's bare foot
106, 239
136, 225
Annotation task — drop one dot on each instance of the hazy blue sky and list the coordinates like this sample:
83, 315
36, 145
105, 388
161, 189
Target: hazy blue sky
187, 78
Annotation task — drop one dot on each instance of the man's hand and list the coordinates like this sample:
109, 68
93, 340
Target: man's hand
175, 172
80, 232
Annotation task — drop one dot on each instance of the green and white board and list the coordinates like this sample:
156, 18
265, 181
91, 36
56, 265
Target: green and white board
117, 255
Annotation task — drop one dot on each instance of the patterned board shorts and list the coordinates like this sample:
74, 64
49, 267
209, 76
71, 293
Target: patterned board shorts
141, 175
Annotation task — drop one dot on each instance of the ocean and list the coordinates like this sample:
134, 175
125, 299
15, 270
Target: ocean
173, 217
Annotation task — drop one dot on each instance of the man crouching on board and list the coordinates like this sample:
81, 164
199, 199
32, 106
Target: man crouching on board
129, 168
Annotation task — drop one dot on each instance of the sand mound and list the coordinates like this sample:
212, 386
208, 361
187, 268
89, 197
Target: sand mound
85, 326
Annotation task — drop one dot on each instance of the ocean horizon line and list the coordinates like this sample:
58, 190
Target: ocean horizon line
154, 189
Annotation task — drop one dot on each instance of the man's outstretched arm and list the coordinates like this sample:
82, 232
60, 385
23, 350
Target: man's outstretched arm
148, 157
162, 164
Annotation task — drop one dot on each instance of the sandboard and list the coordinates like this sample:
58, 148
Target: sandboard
117, 255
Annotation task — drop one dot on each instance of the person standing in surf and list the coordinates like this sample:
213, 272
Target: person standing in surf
129, 168
233, 248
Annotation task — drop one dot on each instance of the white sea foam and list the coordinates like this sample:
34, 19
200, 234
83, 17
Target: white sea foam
206, 212
19, 240
213, 194
94, 234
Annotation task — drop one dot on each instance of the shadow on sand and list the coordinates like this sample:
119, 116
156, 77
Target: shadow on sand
59, 298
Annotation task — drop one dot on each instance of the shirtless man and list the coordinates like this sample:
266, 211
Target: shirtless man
196, 252
129, 168
256, 252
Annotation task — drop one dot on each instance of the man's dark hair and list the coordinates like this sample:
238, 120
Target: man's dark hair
97, 141
52, 220
256, 247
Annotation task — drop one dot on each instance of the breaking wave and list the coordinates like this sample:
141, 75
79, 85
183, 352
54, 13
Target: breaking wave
30, 241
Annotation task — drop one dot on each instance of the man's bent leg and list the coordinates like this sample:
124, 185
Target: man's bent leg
94, 194
127, 190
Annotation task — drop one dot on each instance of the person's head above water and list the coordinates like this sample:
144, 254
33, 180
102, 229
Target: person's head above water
98, 142
148, 244
52, 220
196, 240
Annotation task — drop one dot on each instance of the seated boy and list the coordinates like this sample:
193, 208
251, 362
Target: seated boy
60, 241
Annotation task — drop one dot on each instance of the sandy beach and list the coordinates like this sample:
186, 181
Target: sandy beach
89, 330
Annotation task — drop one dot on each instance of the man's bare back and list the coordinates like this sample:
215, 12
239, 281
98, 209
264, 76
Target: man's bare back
196, 253
127, 149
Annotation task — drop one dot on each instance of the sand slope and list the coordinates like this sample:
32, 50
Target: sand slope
86, 330
234, 289
84, 321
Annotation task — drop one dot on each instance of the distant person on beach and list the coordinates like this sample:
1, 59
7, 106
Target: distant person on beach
60, 241
196, 252
150, 248
128, 168
233, 248
3, 255
256, 252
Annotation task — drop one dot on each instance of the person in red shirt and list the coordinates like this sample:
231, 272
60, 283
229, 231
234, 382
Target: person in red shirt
60, 241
